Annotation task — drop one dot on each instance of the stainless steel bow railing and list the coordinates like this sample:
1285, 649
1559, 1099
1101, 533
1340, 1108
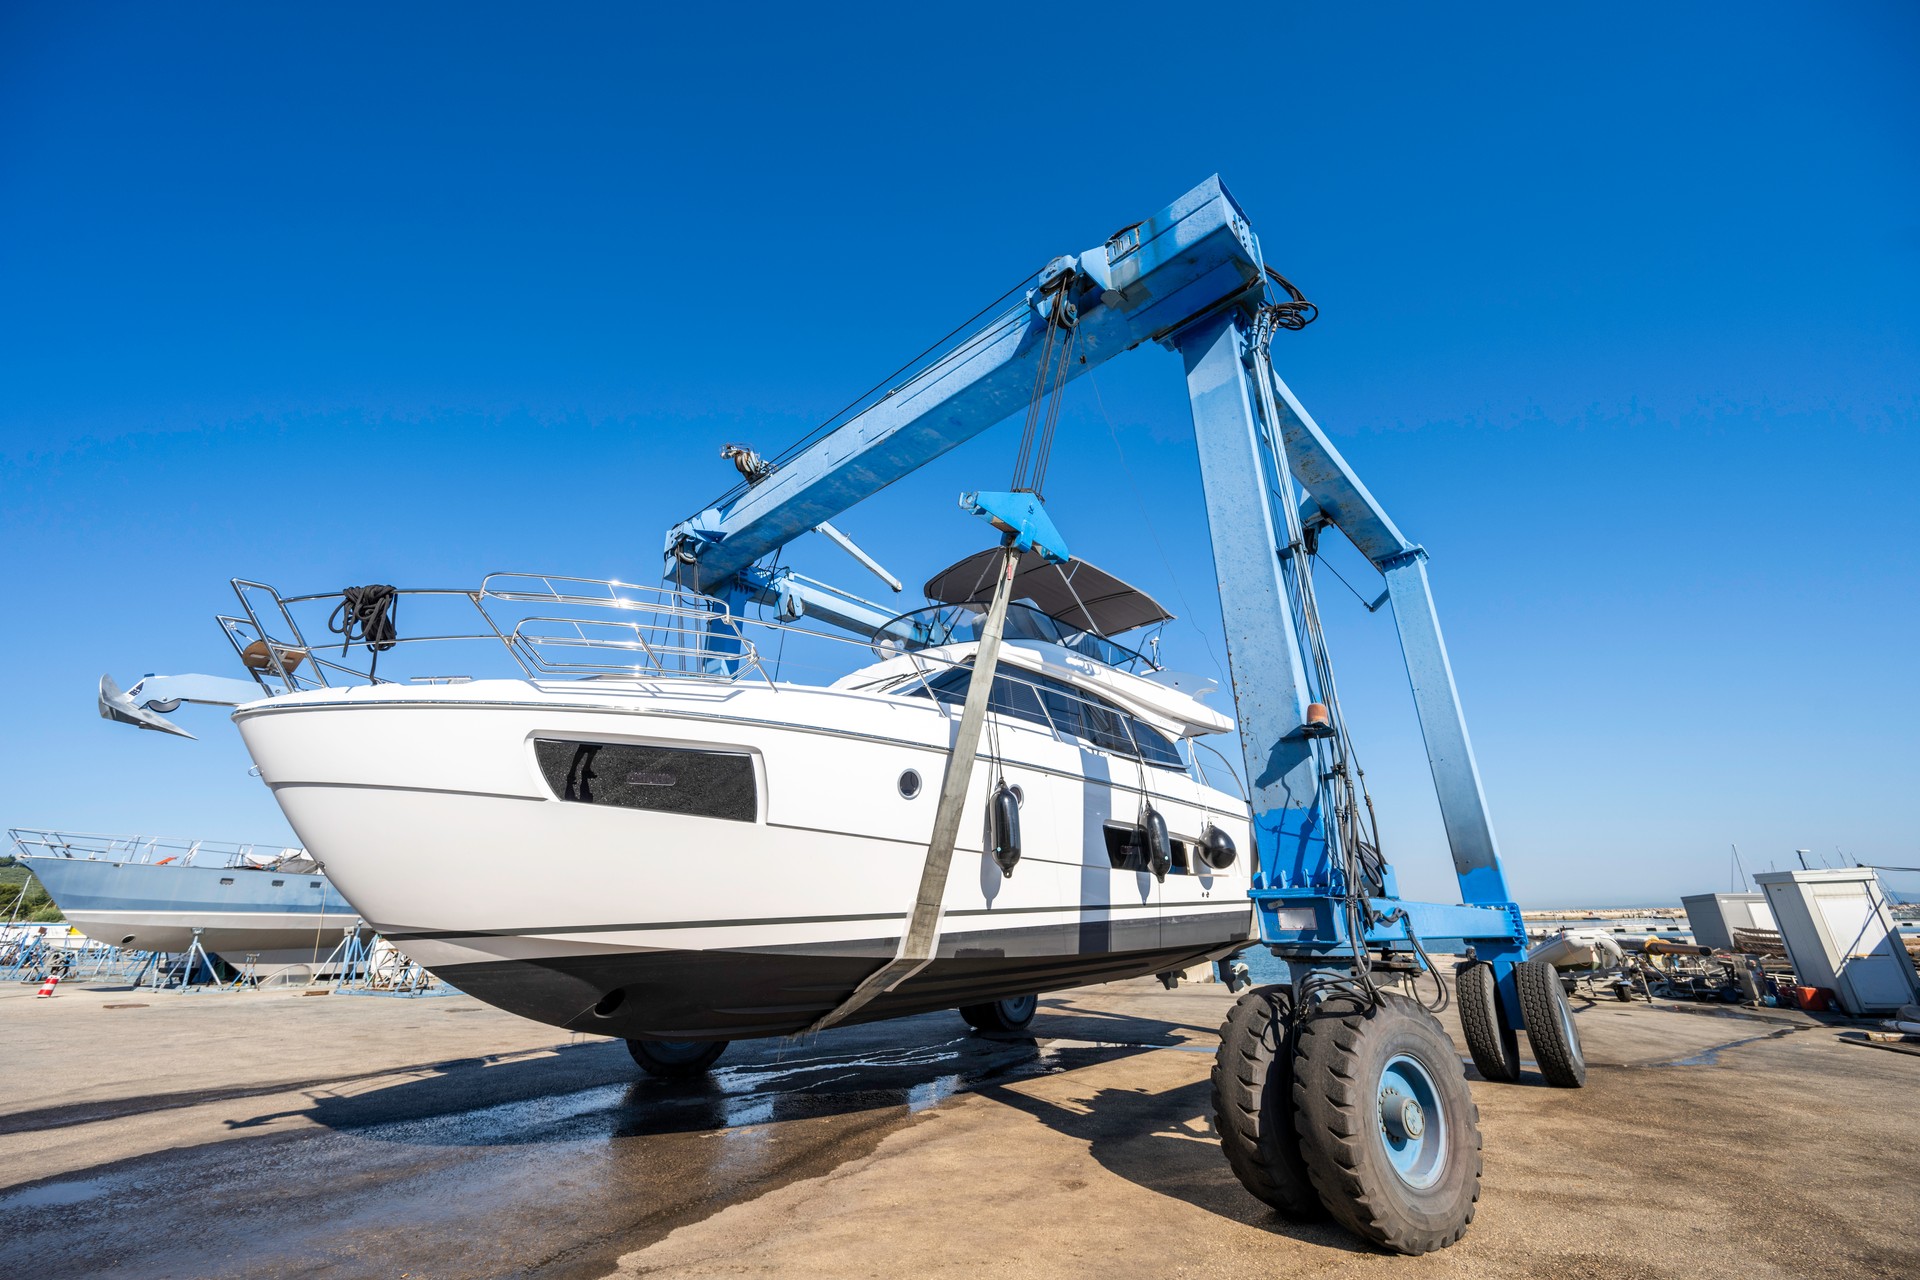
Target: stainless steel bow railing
547, 625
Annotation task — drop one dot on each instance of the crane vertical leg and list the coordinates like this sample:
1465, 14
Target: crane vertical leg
1263, 653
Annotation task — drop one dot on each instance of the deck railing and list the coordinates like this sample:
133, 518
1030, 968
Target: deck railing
156, 850
546, 626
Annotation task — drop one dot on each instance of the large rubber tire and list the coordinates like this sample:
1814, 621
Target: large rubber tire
1012, 1014
1411, 1193
1253, 1103
1494, 1045
1548, 1017
676, 1059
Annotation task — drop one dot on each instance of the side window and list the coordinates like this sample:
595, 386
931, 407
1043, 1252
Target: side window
1127, 850
1106, 727
1066, 708
1126, 847
1012, 696
701, 784
949, 686
1155, 747
1015, 697
1050, 704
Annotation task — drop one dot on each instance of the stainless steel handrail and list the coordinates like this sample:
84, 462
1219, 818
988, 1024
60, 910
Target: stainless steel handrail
682, 635
33, 842
663, 632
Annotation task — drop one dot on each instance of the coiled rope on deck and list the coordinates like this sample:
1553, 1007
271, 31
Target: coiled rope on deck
366, 614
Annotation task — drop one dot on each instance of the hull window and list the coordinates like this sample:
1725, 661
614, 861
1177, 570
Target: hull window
1126, 847
700, 784
1128, 850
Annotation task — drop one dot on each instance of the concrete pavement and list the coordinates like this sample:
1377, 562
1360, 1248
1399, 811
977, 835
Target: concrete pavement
268, 1134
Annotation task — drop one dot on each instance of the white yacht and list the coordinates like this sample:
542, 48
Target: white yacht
649, 833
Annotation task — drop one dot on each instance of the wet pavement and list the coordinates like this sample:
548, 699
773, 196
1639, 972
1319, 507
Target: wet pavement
552, 1162
157, 1136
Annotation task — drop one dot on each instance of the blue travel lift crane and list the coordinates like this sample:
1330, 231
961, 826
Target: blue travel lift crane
1331, 1094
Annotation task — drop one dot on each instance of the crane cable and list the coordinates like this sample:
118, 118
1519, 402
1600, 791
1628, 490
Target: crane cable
1043, 406
1357, 840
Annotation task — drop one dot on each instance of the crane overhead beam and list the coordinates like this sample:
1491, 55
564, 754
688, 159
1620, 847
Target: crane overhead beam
1191, 277
1193, 257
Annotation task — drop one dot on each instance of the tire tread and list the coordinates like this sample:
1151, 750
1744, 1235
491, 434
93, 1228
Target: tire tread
1255, 1127
1490, 1042
1562, 1063
1330, 1115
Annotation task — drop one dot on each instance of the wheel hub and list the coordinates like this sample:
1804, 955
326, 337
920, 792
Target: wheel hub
1413, 1122
1401, 1115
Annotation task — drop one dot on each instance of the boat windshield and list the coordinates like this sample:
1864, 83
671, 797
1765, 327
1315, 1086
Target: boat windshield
944, 624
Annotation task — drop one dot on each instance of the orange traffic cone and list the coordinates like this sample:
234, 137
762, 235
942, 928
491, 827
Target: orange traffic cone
46, 988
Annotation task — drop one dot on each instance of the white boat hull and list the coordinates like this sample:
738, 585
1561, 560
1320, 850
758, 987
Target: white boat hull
434, 818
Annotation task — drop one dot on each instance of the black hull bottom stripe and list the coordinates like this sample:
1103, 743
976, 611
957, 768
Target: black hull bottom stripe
399, 933
730, 995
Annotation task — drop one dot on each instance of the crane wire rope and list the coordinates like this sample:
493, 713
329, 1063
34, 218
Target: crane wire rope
1357, 841
1057, 397
1043, 406
1342, 579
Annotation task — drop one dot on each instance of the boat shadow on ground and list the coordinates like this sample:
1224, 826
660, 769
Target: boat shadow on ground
593, 1089
1164, 1142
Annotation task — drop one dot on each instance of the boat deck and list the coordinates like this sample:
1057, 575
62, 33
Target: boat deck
265, 1134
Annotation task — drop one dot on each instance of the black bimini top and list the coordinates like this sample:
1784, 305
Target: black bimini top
1074, 594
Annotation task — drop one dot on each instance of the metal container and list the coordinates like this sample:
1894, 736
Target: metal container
1714, 916
1840, 934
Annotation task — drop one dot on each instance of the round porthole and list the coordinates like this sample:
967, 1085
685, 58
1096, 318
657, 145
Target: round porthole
910, 784
1019, 796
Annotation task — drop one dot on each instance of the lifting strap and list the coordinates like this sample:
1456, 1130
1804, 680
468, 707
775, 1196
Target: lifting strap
922, 935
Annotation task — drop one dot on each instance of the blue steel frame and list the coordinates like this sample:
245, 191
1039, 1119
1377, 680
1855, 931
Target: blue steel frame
1250, 466
1191, 277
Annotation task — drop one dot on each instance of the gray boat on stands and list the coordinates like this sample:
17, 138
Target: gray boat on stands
264, 905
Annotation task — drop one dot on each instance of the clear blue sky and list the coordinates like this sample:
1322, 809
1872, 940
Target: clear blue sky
1617, 318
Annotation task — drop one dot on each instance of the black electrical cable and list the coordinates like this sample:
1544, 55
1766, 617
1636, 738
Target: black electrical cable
1296, 314
1399, 915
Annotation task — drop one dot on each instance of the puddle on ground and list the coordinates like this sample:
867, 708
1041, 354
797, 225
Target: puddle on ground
50, 1195
551, 1164
1711, 1057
